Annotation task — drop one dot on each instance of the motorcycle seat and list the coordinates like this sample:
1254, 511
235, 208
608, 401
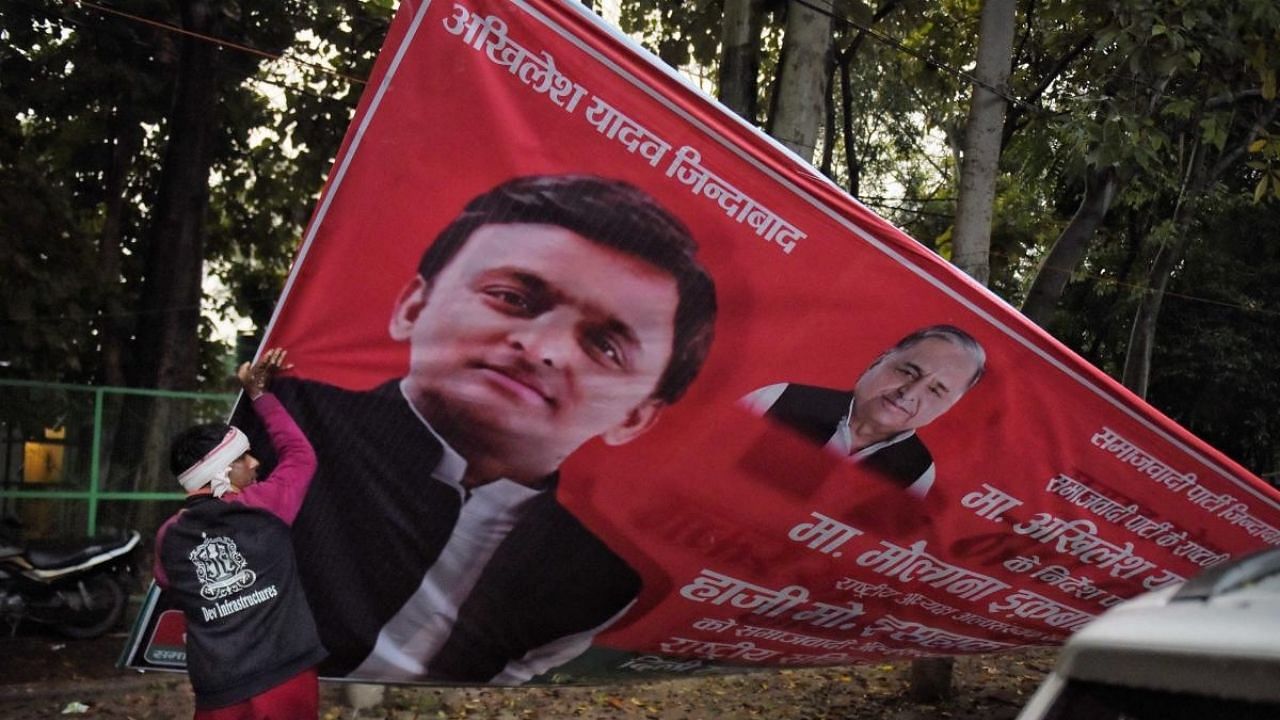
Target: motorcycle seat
56, 553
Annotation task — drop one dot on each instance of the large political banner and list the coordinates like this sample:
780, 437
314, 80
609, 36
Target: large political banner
604, 383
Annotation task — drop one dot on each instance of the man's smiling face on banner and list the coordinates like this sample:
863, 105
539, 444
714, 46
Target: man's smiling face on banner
911, 387
534, 339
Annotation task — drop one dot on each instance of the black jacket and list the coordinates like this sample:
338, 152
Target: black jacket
375, 521
231, 570
816, 412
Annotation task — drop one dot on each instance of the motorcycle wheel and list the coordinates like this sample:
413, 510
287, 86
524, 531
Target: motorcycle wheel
107, 601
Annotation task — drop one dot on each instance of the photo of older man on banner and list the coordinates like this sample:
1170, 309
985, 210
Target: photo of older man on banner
604, 383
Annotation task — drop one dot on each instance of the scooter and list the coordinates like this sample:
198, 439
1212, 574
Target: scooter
78, 587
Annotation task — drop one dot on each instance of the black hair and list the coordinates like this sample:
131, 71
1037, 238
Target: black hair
192, 444
616, 215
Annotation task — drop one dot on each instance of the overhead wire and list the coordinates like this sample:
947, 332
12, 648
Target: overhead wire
221, 42
871, 32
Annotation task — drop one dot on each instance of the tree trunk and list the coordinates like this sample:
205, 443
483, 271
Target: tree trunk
1142, 337
1200, 177
1068, 250
114, 329
931, 679
740, 61
165, 350
800, 91
829, 126
971, 239
853, 164
843, 60
164, 353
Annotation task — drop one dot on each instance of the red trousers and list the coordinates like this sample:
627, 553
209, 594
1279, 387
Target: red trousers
294, 699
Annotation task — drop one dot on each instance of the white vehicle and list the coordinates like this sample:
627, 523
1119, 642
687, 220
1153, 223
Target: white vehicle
1209, 648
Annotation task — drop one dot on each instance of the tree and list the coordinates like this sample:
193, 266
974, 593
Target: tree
136, 145
740, 59
971, 238
1218, 342
1210, 159
78, 91
984, 132
1153, 88
800, 94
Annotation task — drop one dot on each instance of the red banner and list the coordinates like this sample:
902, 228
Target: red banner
603, 381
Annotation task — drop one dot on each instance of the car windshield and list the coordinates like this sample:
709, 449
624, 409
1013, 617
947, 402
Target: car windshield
1100, 701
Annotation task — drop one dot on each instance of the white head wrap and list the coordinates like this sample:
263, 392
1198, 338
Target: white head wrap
215, 467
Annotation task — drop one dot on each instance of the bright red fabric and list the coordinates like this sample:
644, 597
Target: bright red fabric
297, 697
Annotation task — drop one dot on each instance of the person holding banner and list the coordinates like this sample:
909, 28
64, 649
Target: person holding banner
908, 386
551, 311
226, 558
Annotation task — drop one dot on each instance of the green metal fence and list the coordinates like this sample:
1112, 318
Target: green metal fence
80, 458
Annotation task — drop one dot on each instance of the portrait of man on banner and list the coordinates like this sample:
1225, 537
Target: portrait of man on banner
552, 311
905, 388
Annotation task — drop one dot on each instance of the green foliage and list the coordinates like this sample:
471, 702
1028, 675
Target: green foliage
273, 179
1264, 160
86, 101
681, 33
1217, 345
76, 88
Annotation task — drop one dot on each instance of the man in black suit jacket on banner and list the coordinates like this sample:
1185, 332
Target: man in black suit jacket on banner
907, 387
553, 310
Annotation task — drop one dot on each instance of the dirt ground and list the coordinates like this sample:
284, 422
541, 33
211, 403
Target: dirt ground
43, 676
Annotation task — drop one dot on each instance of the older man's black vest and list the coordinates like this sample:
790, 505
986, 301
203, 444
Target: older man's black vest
816, 413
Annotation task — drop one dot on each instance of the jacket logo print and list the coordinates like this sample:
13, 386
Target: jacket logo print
220, 568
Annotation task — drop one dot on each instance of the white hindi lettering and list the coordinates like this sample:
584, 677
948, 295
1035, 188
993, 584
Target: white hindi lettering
757, 632
991, 504
632, 135
1034, 606
825, 535
657, 663
488, 34
715, 624
1082, 495
927, 604
999, 626
719, 589
931, 638
914, 564
538, 71
1079, 538
1022, 563
1239, 515
686, 168
708, 650
1125, 451
864, 590
826, 615
1208, 500
1164, 579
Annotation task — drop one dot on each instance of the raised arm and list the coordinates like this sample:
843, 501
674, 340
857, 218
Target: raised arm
283, 490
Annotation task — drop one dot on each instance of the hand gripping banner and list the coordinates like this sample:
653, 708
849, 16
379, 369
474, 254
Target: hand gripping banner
604, 383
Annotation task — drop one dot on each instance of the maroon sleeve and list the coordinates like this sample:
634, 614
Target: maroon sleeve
157, 567
282, 491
